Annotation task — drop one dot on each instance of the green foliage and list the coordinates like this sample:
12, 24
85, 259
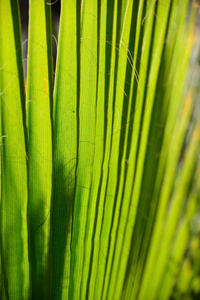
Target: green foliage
100, 171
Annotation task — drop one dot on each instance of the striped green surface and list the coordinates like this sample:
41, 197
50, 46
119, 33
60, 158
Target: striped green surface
99, 173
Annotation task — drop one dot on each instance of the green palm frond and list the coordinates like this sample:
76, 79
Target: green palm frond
100, 167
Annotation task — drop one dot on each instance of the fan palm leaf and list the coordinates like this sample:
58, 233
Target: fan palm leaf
100, 163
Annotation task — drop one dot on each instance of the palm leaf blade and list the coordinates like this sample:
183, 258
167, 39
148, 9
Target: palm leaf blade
39, 121
14, 192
